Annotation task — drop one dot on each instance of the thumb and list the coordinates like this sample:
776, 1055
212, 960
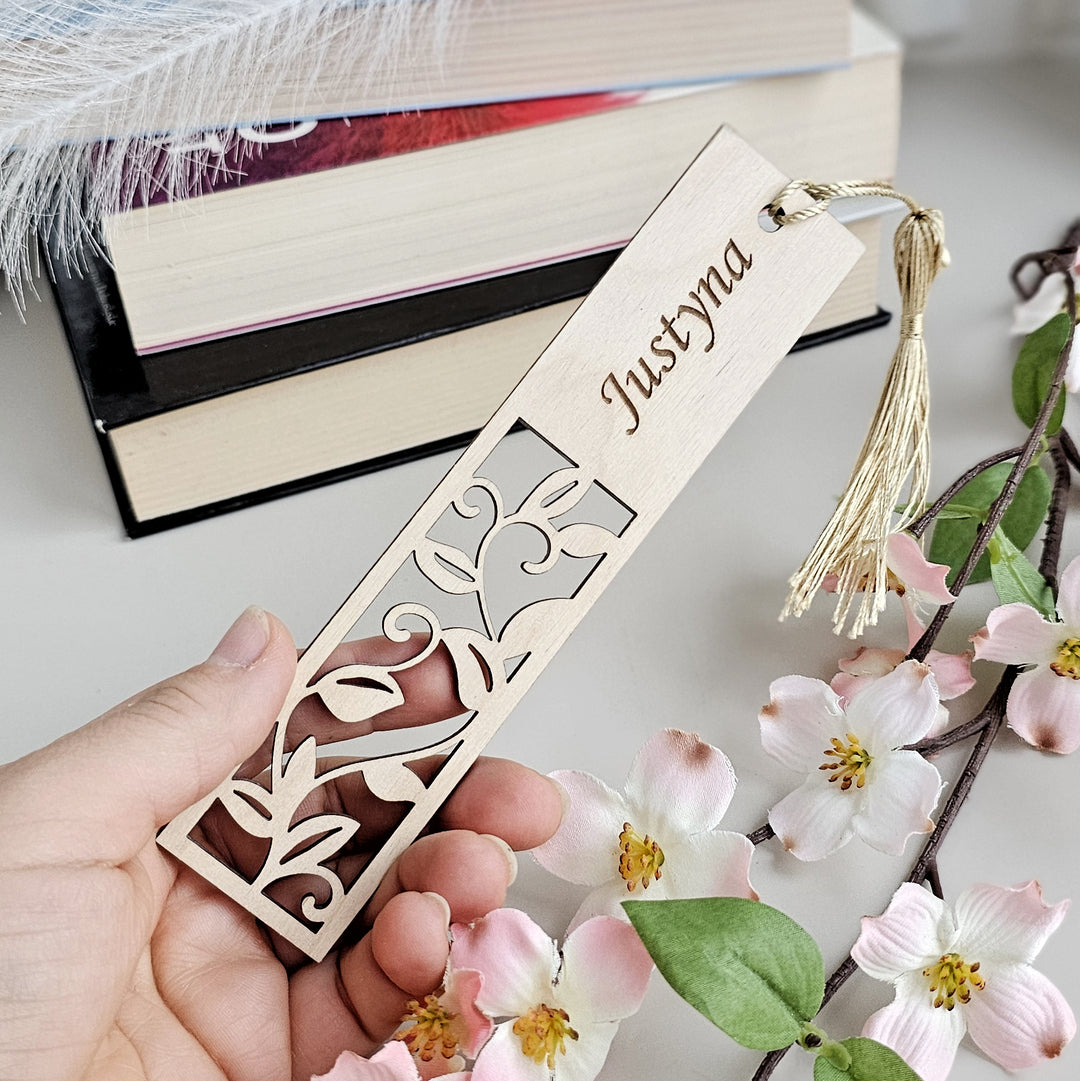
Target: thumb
101, 792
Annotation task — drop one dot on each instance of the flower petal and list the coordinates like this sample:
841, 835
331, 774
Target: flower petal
471, 1027
1005, 925
447, 1069
925, 1038
848, 686
1017, 634
681, 782
859, 671
502, 1059
605, 971
606, 900
391, 1063
1019, 1018
815, 819
585, 848
907, 562
910, 933
713, 864
803, 714
871, 662
952, 673
1068, 602
1048, 299
901, 790
517, 960
895, 710
1044, 709
586, 1055
1072, 368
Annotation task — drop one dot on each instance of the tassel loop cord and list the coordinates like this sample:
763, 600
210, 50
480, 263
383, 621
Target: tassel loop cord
896, 452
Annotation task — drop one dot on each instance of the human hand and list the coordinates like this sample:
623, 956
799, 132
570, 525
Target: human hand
116, 962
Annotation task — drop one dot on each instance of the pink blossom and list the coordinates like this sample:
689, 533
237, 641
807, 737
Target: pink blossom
560, 1010
965, 969
659, 837
444, 1027
1044, 703
952, 674
392, 1063
860, 781
919, 584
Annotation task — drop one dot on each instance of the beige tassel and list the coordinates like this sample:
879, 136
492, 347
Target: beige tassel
897, 446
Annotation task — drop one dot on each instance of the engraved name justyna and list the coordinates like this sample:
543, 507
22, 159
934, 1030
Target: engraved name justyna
690, 322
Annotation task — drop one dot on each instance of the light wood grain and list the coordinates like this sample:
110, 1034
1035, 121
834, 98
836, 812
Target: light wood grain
702, 250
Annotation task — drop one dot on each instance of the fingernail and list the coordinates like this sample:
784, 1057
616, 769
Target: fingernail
244, 641
564, 798
442, 903
508, 852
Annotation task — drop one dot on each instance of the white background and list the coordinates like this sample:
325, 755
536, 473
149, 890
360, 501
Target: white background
687, 635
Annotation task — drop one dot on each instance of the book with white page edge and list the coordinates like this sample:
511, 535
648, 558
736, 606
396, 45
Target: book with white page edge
251, 257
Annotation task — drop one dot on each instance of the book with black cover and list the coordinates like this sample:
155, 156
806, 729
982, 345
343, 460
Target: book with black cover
123, 389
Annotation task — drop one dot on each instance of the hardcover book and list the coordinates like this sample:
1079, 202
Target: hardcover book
324, 240
202, 430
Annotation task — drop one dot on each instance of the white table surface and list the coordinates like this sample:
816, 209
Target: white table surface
686, 636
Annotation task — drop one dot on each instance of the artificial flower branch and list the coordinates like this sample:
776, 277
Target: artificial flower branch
1031, 447
919, 526
995, 714
1055, 522
990, 719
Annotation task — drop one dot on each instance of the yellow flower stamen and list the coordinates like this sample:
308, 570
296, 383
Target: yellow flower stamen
431, 1029
952, 978
852, 761
640, 858
543, 1032
1068, 659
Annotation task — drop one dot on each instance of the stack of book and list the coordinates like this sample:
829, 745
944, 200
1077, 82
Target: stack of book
367, 288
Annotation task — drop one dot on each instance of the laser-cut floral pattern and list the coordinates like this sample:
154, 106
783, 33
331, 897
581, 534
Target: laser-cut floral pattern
485, 657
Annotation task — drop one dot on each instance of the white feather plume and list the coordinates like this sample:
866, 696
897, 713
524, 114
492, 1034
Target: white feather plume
88, 87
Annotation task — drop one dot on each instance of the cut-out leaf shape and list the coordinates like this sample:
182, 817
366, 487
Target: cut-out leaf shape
300, 854
870, 1061
751, 970
556, 494
585, 539
352, 701
1017, 579
523, 631
296, 780
1034, 371
447, 567
477, 675
953, 537
391, 780
237, 801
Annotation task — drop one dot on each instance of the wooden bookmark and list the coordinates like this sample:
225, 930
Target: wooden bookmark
624, 404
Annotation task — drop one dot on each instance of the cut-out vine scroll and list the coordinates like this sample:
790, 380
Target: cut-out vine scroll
297, 871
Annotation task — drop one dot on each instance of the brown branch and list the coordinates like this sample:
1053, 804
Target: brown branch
933, 880
1000, 505
1055, 521
1069, 447
927, 858
762, 833
918, 527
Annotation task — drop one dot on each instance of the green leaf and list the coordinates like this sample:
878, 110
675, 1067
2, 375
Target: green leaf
1034, 370
1017, 579
870, 1061
953, 537
751, 970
